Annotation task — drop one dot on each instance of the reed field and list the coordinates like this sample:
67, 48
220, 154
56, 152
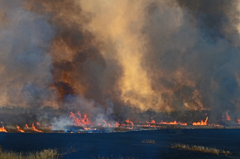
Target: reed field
201, 149
45, 154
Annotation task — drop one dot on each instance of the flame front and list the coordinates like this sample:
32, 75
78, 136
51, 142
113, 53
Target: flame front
2, 129
129, 122
34, 128
84, 121
201, 122
19, 129
80, 121
173, 123
151, 122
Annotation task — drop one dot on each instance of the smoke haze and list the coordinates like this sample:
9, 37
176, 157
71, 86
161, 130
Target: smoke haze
114, 59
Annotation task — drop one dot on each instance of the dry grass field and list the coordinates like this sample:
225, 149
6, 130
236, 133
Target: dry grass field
201, 149
45, 154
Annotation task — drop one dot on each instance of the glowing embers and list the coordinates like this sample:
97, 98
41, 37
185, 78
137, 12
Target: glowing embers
19, 129
2, 129
153, 122
173, 123
201, 122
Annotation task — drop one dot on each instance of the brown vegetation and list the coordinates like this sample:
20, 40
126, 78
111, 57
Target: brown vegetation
45, 154
201, 149
121, 129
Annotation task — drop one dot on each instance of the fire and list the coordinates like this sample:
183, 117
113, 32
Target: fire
151, 122
129, 122
227, 116
26, 125
19, 129
117, 124
173, 123
104, 123
239, 121
80, 121
201, 122
34, 128
2, 129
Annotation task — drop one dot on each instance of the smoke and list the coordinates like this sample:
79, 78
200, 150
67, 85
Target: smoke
25, 63
192, 61
114, 60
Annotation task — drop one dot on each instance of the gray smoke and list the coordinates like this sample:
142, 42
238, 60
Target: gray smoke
194, 55
52, 62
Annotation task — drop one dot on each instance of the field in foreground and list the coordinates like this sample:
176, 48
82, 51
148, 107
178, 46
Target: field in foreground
45, 154
138, 145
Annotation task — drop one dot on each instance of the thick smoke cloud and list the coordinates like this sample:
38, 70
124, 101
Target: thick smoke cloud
25, 64
174, 60
78, 64
193, 62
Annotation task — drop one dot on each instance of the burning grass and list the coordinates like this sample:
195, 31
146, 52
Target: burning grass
201, 149
45, 154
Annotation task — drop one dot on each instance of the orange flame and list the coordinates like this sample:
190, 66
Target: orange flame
34, 128
117, 124
129, 122
239, 121
2, 129
19, 129
227, 116
151, 122
173, 123
79, 121
201, 122
26, 125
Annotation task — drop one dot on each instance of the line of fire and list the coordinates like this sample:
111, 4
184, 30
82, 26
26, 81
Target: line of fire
82, 124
